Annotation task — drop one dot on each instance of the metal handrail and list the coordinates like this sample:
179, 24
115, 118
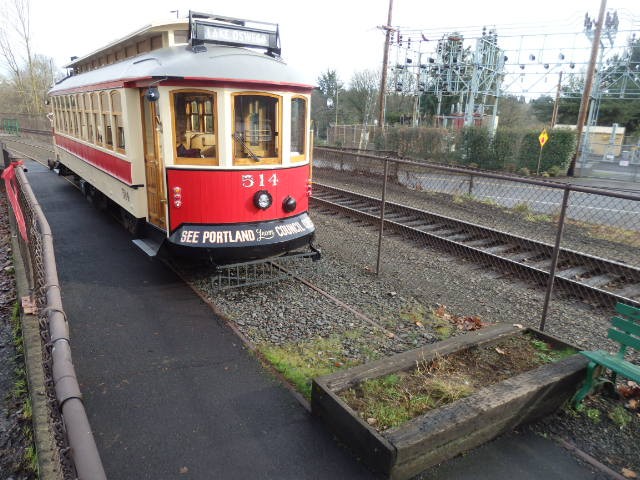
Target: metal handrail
84, 451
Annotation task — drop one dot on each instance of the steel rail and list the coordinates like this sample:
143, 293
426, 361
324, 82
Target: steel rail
491, 244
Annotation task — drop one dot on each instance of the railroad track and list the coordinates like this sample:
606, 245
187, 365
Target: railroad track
27, 148
577, 273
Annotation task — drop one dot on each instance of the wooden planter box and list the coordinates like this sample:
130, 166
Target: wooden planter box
440, 434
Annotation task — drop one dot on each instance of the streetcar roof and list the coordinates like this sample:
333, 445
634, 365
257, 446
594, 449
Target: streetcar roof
219, 63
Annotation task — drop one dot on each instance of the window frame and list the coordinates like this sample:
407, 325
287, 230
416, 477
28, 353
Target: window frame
242, 161
305, 130
105, 119
115, 115
204, 161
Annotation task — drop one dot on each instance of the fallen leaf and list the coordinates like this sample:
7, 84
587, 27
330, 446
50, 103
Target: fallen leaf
630, 390
626, 473
518, 325
183, 470
500, 351
419, 324
441, 312
468, 323
371, 421
29, 305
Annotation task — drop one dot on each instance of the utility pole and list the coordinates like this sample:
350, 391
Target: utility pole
383, 77
586, 94
416, 102
554, 115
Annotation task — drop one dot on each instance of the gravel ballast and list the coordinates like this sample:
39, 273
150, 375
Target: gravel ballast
413, 281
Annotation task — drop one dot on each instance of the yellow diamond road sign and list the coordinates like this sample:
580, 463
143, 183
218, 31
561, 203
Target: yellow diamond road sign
544, 136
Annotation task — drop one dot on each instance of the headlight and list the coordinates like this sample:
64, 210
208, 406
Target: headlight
262, 199
289, 204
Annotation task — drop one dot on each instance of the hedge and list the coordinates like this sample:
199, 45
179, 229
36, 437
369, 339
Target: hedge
510, 149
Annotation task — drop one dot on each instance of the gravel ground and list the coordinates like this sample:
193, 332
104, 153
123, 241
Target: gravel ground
596, 242
415, 281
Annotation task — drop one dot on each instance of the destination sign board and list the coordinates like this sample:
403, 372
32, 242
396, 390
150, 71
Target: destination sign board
234, 35
244, 235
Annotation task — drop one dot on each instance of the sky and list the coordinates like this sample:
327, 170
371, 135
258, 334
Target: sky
341, 35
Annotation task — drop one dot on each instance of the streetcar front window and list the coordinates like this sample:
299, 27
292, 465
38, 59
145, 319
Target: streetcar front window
298, 127
195, 128
256, 127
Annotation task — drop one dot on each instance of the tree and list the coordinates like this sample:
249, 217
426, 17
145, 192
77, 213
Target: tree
620, 86
515, 112
326, 102
29, 75
329, 84
362, 95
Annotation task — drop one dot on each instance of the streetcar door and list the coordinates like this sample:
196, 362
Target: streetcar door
156, 198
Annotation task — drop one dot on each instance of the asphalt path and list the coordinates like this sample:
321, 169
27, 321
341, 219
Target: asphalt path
172, 393
169, 390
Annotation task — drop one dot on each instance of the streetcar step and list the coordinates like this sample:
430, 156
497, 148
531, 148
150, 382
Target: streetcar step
148, 245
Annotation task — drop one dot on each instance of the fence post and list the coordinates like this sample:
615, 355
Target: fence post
470, 184
554, 258
382, 204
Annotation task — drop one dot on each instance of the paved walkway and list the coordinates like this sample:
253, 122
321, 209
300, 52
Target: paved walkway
172, 393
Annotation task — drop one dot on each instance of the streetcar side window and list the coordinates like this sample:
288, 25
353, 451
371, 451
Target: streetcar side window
256, 129
116, 113
56, 113
195, 128
72, 116
106, 120
83, 118
95, 119
65, 115
87, 115
298, 128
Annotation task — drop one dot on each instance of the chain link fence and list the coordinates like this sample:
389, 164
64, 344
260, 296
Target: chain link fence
578, 245
11, 122
76, 449
617, 161
605, 155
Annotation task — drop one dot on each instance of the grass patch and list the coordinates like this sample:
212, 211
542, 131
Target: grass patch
31, 458
525, 211
20, 395
547, 354
300, 362
394, 399
438, 320
391, 400
460, 199
620, 416
609, 233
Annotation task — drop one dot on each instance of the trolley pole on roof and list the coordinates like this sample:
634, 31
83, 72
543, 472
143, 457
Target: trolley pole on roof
385, 61
586, 94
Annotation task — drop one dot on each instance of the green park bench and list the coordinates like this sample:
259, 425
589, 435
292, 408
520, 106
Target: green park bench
625, 329
11, 126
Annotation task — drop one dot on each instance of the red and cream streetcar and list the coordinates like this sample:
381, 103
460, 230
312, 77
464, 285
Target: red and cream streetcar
196, 129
